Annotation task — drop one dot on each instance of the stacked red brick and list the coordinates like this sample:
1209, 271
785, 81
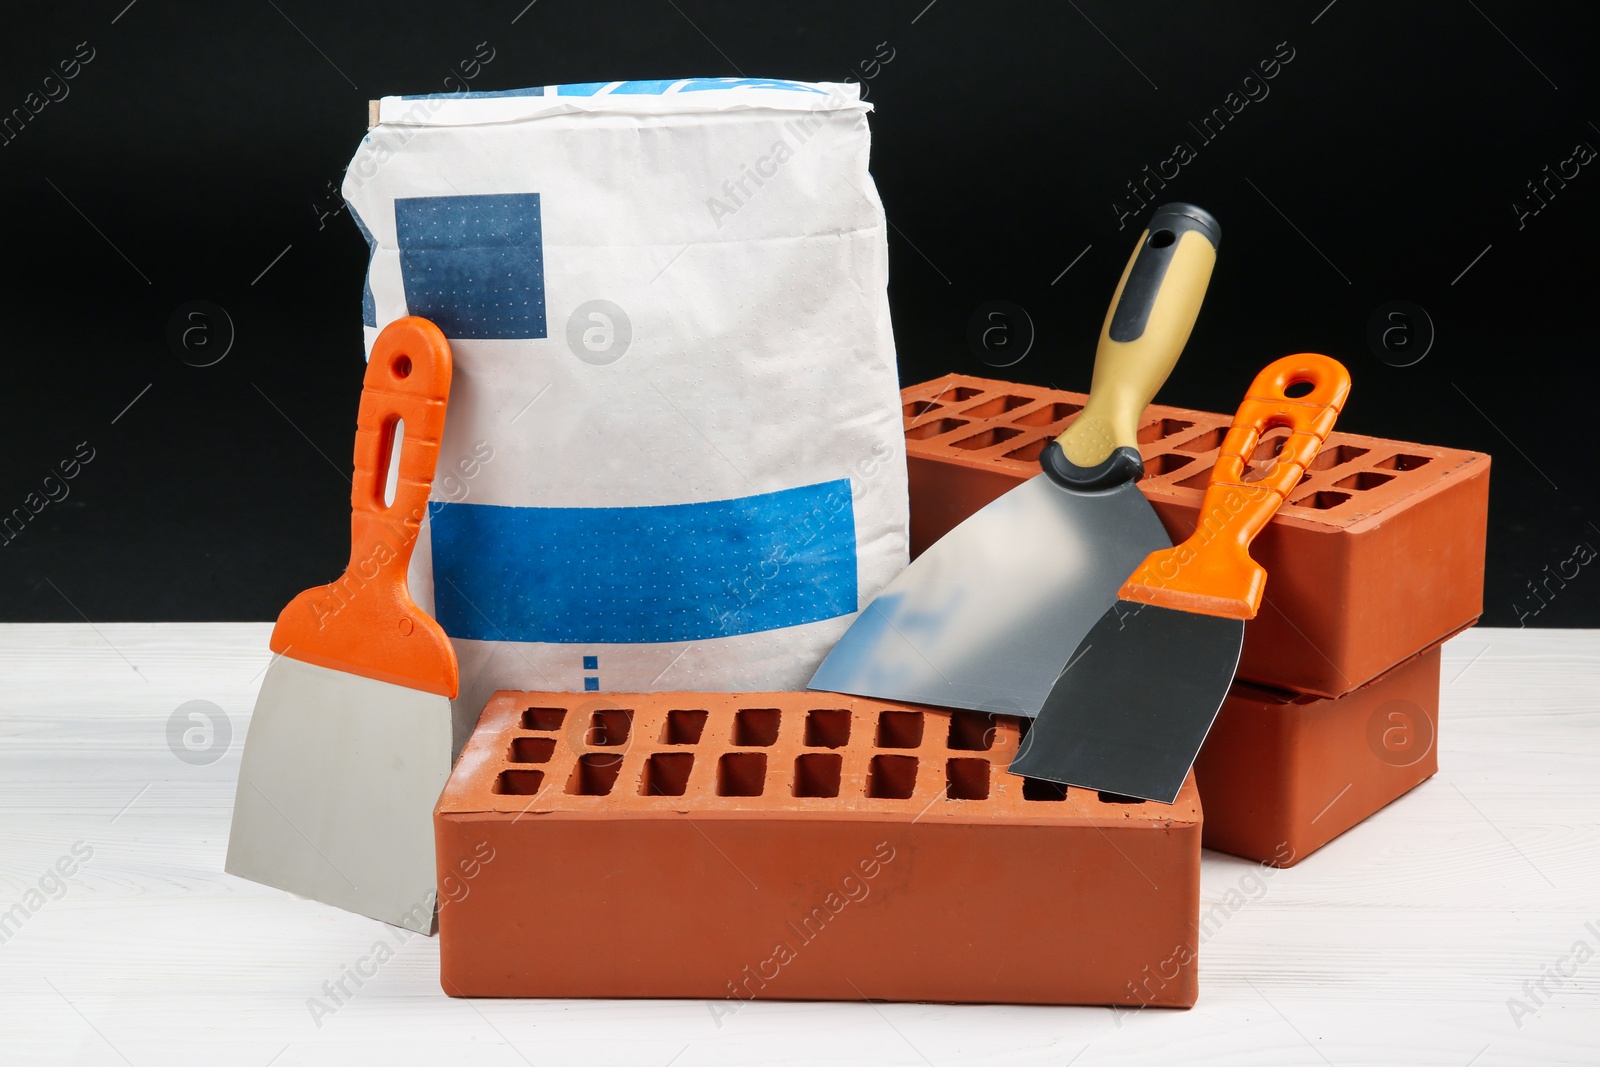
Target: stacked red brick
1376, 559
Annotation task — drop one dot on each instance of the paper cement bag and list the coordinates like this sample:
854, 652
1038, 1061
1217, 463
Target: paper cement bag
673, 458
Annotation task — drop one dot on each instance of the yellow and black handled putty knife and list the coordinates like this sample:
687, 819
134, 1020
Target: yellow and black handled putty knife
986, 618
1140, 693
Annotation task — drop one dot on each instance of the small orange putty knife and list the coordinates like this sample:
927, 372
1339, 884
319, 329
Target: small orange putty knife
1140, 692
350, 742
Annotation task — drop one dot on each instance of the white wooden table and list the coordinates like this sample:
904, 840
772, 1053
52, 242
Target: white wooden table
1409, 940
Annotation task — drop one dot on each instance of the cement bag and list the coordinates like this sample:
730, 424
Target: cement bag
673, 458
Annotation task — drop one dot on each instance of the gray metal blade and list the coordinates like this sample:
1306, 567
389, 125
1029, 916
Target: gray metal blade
337, 786
986, 618
1135, 703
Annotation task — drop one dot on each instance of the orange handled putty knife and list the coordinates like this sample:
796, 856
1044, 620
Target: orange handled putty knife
349, 745
1139, 695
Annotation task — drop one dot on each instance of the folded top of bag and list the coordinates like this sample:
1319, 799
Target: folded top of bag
660, 97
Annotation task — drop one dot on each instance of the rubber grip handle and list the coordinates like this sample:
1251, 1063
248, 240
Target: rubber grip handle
1212, 573
366, 622
1146, 327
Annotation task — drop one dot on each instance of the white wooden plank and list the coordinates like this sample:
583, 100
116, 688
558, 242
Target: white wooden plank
1401, 942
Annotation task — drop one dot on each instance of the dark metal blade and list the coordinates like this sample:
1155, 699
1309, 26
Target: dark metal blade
1136, 701
986, 618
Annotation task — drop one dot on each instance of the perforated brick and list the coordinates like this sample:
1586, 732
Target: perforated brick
1376, 556
679, 844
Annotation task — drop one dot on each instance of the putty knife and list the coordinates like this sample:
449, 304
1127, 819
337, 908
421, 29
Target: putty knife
349, 746
986, 617
1140, 693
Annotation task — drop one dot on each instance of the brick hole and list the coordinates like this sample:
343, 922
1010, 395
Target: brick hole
1166, 463
1334, 455
999, 435
915, 409
1321, 501
1162, 429
1265, 456
1403, 463
683, 726
1209, 441
741, 774
827, 728
543, 718
1029, 453
1118, 798
899, 729
1364, 480
609, 728
972, 731
934, 428
1196, 481
666, 774
892, 777
998, 406
519, 783
960, 393
816, 774
966, 778
1041, 789
755, 726
594, 774
1048, 415
532, 749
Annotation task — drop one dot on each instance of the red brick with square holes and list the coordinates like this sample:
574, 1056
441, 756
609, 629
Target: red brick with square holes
676, 858
1376, 556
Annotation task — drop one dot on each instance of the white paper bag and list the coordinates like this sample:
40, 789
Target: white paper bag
673, 457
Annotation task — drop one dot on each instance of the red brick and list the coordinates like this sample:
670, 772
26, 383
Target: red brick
1377, 555
1282, 775
728, 819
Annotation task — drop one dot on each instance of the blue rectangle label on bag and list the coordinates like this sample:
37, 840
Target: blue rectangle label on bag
474, 264
645, 575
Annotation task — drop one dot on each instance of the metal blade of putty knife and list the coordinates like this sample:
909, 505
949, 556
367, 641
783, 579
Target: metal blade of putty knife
1140, 693
986, 617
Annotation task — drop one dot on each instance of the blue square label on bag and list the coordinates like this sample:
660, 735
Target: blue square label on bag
474, 264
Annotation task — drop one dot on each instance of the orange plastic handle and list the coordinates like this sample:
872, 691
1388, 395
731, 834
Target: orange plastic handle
366, 622
1212, 573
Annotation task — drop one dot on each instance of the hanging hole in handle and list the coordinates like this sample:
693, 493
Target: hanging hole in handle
401, 366
396, 439
1162, 238
1296, 390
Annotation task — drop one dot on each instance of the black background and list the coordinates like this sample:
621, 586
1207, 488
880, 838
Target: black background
205, 139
